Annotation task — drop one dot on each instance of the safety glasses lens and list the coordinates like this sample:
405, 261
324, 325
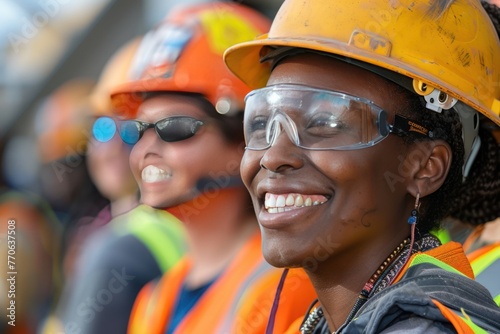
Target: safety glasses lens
312, 118
104, 129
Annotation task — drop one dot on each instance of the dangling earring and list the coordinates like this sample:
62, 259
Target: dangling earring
414, 213
412, 220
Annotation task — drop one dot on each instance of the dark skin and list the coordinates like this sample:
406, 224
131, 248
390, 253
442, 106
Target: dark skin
341, 242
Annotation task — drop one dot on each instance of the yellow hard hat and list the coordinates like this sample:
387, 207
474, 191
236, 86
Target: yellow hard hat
115, 73
446, 47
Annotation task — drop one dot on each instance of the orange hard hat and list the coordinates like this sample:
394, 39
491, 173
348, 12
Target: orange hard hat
61, 122
184, 54
115, 73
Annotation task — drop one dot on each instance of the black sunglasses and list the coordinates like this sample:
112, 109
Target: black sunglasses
170, 129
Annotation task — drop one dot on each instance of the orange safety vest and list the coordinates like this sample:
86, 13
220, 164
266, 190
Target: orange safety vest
239, 301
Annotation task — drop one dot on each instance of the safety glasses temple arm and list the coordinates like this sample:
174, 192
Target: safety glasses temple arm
405, 126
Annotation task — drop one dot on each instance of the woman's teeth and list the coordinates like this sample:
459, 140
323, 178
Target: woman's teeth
152, 174
281, 203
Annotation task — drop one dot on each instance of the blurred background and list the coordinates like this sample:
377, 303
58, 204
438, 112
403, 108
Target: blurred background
52, 53
44, 43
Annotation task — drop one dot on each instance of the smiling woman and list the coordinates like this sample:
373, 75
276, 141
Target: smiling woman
357, 147
157, 166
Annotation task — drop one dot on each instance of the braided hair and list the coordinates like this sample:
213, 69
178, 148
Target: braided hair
447, 127
494, 13
477, 200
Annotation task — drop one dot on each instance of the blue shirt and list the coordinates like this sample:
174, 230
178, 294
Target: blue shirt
185, 302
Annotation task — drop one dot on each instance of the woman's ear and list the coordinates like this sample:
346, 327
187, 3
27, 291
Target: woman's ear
432, 161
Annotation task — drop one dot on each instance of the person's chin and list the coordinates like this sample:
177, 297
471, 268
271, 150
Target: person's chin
154, 201
281, 254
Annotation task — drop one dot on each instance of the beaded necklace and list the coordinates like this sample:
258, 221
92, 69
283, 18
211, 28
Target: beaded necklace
380, 279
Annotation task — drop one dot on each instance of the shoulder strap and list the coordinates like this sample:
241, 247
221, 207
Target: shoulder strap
155, 302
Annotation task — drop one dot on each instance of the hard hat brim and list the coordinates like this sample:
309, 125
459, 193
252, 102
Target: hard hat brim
127, 98
244, 60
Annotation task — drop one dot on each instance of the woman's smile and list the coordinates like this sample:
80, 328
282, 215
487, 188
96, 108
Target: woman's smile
277, 203
153, 174
283, 209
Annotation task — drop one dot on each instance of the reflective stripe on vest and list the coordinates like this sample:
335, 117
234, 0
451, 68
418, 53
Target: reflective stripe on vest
226, 324
424, 258
486, 266
442, 234
462, 323
161, 232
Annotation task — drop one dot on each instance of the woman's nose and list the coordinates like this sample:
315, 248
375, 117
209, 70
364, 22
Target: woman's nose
282, 154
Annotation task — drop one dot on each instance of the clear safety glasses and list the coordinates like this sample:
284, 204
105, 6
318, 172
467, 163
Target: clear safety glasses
316, 119
170, 129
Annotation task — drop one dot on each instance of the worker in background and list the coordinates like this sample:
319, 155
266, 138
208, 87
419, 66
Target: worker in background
183, 112
127, 244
